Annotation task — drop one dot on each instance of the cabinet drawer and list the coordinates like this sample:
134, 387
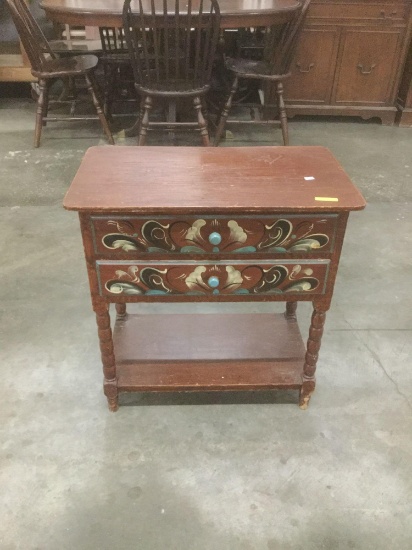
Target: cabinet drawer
350, 12
212, 278
135, 235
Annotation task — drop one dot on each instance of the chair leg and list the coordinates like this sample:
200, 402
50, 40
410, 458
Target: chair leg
282, 114
39, 112
46, 101
93, 89
202, 122
111, 73
144, 125
225, 112
171, 116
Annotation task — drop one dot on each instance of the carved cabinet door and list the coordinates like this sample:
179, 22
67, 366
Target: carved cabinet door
314, 66
367, 67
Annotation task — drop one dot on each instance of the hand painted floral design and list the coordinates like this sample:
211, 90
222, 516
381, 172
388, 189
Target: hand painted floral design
194, 279
242, 235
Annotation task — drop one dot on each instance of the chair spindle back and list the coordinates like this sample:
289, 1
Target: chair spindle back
286, 47
171, 41
31, 35
113, 39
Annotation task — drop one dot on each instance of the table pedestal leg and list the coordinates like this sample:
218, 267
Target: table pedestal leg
107, 353
311, 357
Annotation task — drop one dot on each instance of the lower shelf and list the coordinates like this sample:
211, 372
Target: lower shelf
207, 352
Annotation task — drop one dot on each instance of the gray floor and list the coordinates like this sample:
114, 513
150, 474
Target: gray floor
219, 472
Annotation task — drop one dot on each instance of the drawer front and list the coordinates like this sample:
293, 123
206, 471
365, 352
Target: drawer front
287, 234
299, 277
350, 12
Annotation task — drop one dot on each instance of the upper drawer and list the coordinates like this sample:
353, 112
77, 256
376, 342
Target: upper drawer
136, 235
350, 12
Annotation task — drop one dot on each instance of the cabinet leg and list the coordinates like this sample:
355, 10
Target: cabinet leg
110, 391
107, 353
311, 357
290, 312
121, 310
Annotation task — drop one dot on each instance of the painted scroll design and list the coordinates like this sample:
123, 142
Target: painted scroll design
243, 236
194, 280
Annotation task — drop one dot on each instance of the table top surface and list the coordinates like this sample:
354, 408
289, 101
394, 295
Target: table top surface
115, 6
209, 179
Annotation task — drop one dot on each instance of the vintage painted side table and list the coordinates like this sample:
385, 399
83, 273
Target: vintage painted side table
183, 224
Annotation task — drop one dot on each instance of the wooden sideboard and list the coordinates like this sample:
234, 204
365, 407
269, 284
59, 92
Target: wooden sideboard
205, 224
350, 59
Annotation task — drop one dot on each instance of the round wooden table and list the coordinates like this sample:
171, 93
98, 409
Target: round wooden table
108, 13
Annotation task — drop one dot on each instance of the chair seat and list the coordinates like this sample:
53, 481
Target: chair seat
76, 47
118, 58
250, 68
172, 88
67, 66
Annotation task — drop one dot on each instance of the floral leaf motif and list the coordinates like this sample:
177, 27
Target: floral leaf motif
295, 271
191, 250
193, 233
194, 280
157, 234
123, 287
126, 243
302, 285
272, 278
237, 233
311, 242
234, 279
124, 227
154, 279
277, 234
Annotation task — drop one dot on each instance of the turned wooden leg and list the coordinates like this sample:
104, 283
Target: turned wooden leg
290, 312
121, 310
94, 92
107, 353
311, 357
39, 112
46, 101
202, 122
144, 125
225, 112
109, 91
282, 114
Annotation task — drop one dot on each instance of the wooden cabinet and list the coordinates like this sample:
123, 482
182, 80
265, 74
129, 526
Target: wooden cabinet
350, 59
404, 101
242, 225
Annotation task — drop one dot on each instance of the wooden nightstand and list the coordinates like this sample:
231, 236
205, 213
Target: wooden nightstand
181, 224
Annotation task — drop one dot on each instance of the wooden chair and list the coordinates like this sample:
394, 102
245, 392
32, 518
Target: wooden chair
172, 50
46, 66
116, 65
278, 54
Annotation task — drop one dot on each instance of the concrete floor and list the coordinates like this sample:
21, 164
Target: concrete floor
203, 472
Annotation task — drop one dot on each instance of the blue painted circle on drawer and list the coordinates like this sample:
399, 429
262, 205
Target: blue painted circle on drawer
213, 282
215, 238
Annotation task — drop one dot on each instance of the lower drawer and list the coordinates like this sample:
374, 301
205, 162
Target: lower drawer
208, 278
